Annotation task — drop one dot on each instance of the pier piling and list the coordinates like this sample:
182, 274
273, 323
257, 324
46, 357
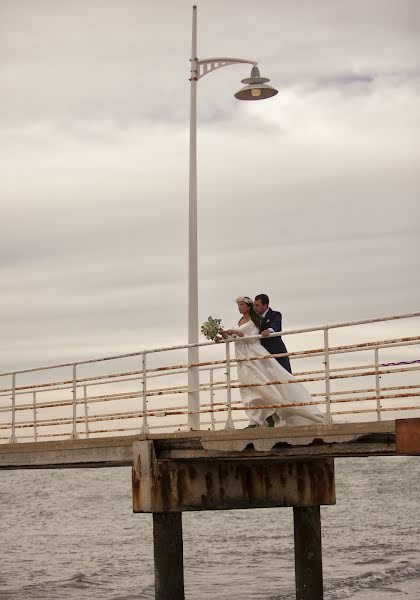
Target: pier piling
308, 553
168, 555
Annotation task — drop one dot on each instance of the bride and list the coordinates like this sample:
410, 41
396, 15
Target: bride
263, 371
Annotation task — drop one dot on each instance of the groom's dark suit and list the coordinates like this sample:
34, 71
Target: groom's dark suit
274, 345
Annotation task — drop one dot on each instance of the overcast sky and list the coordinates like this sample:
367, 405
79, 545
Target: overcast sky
311, 196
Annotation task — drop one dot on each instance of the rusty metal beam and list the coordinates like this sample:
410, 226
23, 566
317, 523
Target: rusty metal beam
407, 433
286, 452
167, 486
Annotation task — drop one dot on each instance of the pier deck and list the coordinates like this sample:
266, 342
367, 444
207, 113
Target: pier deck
289, 443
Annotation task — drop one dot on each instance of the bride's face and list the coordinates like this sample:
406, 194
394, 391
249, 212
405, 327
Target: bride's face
243, 308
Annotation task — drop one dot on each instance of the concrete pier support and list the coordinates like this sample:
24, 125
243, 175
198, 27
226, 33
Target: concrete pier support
168, 554
166, 486
308, 553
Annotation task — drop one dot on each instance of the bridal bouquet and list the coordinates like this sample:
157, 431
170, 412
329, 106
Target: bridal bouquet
211, 328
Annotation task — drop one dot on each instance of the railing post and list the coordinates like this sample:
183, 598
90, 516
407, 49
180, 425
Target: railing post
74, 435
328, 418
193, 390
145, 426
229, 422
13, 438
377, 386
86, 411
35, 426
212, 421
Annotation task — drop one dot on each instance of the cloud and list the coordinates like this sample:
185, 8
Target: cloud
311, 196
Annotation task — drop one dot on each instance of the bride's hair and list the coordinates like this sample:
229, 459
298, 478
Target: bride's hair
253, 315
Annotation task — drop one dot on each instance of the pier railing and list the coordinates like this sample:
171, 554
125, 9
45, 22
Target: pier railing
360, 370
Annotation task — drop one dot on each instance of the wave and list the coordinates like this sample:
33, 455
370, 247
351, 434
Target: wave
346, 588
78, 585
54, 588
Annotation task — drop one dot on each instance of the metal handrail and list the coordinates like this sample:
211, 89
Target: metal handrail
141, 392
202, 344
207, 365
220, 385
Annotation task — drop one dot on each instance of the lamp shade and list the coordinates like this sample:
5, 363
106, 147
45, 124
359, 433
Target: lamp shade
256, 88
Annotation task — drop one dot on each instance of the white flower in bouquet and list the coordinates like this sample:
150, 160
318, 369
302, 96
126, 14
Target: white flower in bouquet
211, 328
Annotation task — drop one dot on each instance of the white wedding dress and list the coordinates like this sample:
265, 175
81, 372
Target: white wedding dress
262, 371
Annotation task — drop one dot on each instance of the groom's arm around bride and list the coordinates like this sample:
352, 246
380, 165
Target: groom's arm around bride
271, 322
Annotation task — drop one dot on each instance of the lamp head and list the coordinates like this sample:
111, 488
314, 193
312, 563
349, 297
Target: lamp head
256, 88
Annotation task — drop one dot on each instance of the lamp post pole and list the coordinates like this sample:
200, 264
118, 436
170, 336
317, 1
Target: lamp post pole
193, 373
256, 89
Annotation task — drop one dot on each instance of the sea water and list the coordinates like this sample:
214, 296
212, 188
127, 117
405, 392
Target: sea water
71, 534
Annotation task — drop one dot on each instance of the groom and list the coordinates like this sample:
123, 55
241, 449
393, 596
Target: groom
271, 323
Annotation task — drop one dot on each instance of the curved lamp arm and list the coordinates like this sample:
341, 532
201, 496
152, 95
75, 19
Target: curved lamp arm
200, 68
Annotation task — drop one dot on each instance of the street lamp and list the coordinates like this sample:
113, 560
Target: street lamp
256, 88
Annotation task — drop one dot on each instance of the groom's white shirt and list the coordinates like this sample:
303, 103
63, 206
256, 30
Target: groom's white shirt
263, 317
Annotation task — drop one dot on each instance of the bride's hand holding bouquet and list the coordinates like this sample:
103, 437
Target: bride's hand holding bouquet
211, 329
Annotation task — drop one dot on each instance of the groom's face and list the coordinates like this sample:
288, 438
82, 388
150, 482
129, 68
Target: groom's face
259, 307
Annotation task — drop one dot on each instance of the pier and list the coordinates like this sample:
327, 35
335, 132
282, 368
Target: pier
50, 420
